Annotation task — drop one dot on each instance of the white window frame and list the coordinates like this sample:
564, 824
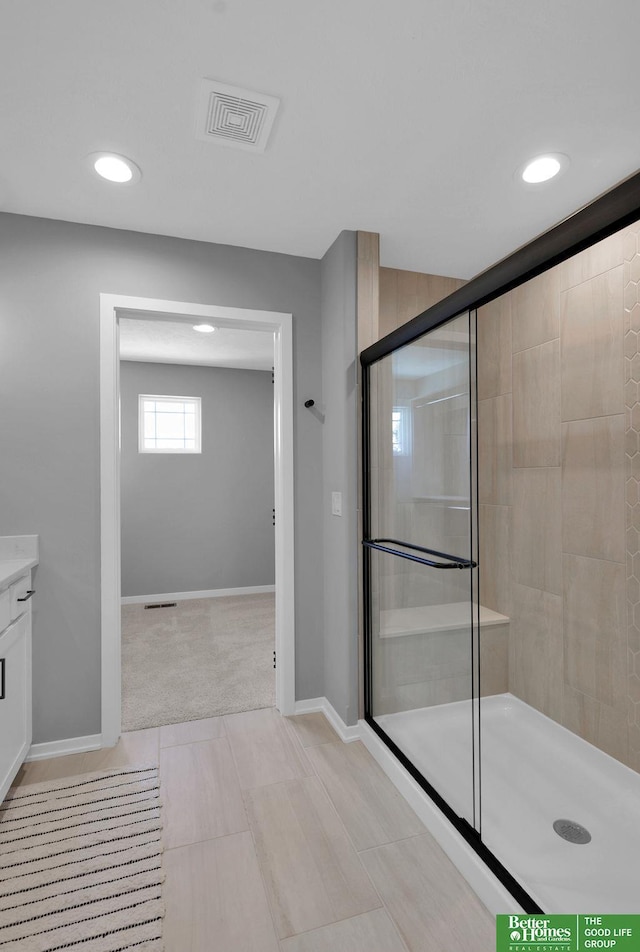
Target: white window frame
196, 401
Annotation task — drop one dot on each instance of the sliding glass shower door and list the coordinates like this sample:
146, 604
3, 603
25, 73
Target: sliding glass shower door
421, 560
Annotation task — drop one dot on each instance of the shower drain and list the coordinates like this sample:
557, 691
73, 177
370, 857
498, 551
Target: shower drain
572, 831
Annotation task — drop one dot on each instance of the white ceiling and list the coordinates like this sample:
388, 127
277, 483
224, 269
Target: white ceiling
176, 342
408, 118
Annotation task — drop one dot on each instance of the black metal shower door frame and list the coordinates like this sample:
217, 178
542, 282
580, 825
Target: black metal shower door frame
606, 215
446, 561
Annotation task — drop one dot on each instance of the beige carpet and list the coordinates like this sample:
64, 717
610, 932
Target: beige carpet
81, 864
205, 657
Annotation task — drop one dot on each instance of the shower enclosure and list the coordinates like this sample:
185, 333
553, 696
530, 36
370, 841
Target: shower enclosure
502, 559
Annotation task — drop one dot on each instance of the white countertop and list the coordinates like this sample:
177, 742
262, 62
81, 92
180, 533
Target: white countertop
12, 569
18, 554
430, 618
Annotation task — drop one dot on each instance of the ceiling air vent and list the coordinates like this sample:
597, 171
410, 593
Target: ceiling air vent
235, 117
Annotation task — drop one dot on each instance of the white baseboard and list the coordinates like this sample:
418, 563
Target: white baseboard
322, 705
70, 745
488, 888
208, 593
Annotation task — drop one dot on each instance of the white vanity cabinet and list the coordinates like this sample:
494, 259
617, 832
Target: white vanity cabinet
18, 555
15, 698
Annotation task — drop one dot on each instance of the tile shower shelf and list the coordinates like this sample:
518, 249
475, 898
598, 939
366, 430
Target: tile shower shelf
397, 622
456, 502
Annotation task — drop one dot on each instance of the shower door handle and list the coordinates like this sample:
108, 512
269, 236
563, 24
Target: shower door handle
450, 561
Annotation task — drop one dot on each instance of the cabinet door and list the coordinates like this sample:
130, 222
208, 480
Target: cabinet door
15, 704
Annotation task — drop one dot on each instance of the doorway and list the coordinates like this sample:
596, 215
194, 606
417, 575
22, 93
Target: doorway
279, 327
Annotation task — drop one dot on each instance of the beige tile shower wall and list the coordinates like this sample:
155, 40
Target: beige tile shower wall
495, 479
405, 294
631, 297
553, 481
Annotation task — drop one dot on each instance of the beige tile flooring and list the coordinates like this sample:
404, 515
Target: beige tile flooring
280, 838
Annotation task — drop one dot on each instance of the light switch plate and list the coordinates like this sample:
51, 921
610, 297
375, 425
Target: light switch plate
336, 504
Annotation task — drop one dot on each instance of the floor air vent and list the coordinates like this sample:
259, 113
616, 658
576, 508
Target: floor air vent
572, 831
162, 605
235, 117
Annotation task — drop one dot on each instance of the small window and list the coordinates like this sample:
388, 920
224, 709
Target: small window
168, 424
400, 431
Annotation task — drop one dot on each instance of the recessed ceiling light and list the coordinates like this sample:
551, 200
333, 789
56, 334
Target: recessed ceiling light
543, 168
204, 328
115, 168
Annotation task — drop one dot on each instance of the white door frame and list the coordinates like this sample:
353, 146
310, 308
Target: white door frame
281, 326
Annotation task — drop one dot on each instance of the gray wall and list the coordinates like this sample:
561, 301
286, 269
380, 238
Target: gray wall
51, 274
199, 521
339, 474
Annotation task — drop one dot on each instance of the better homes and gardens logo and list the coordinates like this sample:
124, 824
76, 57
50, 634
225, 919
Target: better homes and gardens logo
542, 933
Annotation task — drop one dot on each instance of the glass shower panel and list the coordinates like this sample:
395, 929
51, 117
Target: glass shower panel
421, 546
558, 514
420, 439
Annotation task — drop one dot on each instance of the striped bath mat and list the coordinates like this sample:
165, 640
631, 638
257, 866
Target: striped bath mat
81, 864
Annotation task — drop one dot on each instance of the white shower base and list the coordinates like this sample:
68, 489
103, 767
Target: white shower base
533, 771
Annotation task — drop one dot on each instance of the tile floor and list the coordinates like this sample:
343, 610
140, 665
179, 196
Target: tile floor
280, 838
